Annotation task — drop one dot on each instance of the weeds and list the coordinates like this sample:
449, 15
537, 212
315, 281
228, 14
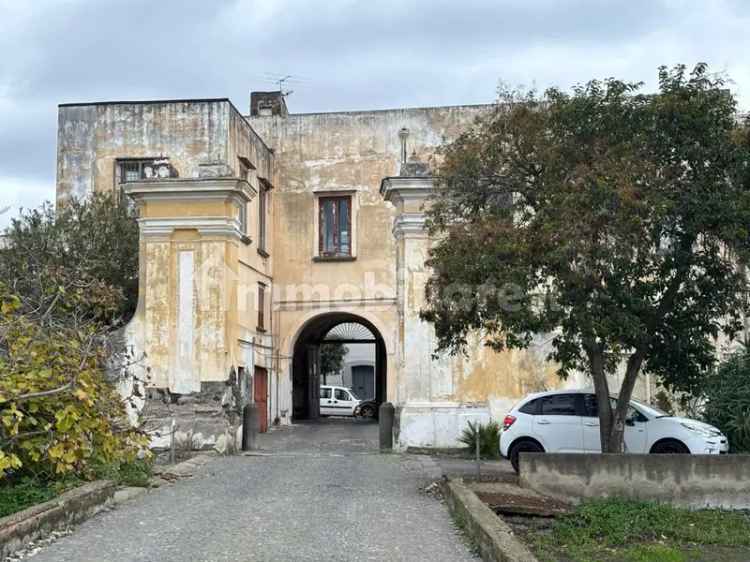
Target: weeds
23, 494
642, 531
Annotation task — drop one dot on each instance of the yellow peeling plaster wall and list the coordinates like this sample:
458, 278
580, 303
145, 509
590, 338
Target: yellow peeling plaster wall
344, 153
202, 139
298, 158
353, 151
188, 315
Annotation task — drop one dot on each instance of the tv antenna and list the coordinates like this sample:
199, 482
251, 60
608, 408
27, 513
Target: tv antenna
283, 81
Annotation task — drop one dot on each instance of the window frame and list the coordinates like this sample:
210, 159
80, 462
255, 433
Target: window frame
242, 217
261, 324
577, 410
639, 416
119, 172
120, 163
335, 199
262, 222
531, 407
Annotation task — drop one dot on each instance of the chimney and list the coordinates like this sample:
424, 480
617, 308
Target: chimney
267, 103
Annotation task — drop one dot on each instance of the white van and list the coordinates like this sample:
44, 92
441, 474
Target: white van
337, 401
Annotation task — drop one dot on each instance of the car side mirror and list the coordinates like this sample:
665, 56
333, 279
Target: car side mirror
630, 422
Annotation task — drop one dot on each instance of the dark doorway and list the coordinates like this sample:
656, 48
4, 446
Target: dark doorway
338, 327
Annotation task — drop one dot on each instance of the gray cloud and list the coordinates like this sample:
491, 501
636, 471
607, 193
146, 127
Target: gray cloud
357, 55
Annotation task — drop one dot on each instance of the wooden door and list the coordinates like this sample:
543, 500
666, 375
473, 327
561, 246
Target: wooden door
260, 393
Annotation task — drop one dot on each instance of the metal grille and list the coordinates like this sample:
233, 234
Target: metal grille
349, 331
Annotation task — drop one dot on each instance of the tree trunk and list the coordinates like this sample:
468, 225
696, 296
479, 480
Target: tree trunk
612, 422
601, 389
623, 403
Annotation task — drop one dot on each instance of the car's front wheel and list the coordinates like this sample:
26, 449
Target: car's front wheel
670, 447
523, 446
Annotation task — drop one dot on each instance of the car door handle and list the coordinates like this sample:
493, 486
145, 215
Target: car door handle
543, 422
591, 424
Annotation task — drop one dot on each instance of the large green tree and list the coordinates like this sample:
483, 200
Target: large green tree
612, 219
80, 247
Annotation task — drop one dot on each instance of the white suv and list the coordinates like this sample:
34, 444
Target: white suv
566, 421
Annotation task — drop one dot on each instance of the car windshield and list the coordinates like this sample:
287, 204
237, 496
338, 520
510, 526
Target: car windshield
650, 410
352, 393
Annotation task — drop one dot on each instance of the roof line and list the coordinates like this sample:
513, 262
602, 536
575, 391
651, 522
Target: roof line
184, 100
143, 102
392, 109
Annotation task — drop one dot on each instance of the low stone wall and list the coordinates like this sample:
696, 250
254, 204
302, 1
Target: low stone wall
204, 420
72, 507
687, 480
492, 536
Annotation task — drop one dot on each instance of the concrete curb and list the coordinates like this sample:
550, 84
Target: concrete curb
185, 468
494, 539
74, 506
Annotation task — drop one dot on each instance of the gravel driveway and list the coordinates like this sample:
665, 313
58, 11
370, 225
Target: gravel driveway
319, 492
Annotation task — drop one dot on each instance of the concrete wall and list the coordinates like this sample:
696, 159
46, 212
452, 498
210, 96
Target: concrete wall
90, 137
688, 480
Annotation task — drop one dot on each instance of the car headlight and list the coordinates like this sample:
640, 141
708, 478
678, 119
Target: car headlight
697, 429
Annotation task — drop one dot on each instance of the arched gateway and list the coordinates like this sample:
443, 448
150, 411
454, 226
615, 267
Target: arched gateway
340, 327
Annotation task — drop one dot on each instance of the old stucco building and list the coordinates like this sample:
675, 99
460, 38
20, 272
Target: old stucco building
262, 233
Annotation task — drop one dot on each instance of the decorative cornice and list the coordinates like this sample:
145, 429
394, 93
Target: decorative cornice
208, 226
406, 188
190, 188
409, 223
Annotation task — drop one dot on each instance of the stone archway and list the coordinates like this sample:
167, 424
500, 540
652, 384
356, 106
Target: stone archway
306, 359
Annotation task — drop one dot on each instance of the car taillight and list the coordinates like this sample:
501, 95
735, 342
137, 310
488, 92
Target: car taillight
508, 421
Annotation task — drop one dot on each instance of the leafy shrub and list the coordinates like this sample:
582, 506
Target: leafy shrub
24, 493
59, 415
67, 278
135, 473
488, 435
727, 400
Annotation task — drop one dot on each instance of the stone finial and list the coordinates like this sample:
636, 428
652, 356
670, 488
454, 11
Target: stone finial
414, 167
403, 134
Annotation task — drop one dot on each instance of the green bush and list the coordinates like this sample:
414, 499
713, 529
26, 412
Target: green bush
488, 435
18, 495
135, 473
727, 395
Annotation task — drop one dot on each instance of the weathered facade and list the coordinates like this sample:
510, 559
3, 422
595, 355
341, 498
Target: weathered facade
261, 233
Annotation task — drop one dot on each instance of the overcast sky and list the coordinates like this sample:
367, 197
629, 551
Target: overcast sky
353, 55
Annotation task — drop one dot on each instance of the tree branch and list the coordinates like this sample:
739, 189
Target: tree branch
41, 393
